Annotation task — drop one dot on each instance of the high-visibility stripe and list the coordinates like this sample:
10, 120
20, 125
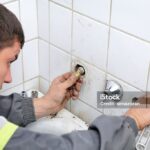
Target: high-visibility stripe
6, 133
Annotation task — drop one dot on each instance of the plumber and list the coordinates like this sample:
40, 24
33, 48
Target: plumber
105, 133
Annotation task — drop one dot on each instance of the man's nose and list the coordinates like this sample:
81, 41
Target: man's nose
8, 78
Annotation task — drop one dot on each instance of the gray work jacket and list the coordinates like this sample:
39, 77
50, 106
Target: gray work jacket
105, 133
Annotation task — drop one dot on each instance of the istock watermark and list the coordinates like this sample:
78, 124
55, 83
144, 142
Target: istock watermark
127, 100
104, 97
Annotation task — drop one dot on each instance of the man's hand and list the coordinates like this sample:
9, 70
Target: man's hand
141, 115
62, 89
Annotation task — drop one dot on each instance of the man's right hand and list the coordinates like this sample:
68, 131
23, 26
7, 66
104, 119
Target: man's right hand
58, 94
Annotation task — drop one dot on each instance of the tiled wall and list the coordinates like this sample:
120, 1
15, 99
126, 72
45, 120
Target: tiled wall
111, 38
25, 71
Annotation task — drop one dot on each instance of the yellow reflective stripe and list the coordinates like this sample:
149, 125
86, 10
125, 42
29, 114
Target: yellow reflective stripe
6, 133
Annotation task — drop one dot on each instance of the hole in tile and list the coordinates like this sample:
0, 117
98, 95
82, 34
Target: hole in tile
80, 68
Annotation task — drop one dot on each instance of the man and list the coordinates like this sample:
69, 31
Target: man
105, 133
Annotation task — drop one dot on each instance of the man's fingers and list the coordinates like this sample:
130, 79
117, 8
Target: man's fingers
75, 93
70, 81
65, 76
81, 79
78, 86
74, 98
69, 76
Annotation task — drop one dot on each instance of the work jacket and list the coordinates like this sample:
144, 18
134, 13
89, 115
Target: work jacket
104, 133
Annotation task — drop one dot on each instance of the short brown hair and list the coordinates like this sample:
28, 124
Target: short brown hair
10, 28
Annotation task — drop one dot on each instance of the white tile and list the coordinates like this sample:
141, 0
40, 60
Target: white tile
149, 85
17, 89
4, 1
14, 7
43, 19
68, 105
60, 26
97, 9
30, 60
67, 3
90, 41
94, 81
148, 89
60, 62
17, 73
28, 11
44, 86
44, 59
129, 59
132, 16
84, 111
32, 84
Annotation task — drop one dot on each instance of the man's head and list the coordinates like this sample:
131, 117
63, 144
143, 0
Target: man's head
11, 41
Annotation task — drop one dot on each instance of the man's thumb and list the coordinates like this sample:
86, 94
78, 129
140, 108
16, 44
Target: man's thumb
71, 81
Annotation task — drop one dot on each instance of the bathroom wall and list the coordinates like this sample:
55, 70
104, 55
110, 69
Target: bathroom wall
25, 71
111, 38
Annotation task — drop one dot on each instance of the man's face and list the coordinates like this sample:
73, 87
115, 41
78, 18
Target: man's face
7, 56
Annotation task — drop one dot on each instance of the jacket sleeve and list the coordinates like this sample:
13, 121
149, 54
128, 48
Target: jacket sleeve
17, 109
105, 133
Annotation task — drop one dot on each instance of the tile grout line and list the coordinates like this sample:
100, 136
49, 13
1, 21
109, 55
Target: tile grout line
5, 3
91, 106
148, 79
108, 44
124, 81
131, 35
44, 78
5, 90
72, 18
71, 34
49, 7
37, 9
35, 38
